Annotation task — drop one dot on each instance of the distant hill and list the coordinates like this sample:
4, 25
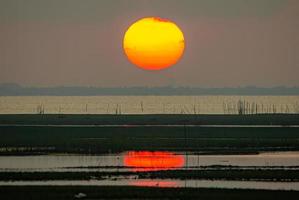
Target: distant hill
17, 90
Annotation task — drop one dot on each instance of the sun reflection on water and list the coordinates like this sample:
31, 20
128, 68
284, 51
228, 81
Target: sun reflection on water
153, 161
156, 183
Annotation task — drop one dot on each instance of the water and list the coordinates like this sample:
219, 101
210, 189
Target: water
145, 104
164, 183
151, 161
129, 161
116, 162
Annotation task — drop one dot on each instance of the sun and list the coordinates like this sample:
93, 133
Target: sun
154, 43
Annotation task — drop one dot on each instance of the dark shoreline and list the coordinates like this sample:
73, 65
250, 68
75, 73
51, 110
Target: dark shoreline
281, 175
129, 192
149, 119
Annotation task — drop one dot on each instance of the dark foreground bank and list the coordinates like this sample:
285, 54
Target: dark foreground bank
95, 139
258, 174
93, 134
151, 119
93, 192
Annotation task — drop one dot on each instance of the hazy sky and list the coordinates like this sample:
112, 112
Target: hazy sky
79, 42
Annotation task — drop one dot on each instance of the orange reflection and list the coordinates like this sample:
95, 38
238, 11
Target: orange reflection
153, 161
153, 183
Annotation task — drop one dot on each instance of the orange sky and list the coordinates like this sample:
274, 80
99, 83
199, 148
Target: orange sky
239, 43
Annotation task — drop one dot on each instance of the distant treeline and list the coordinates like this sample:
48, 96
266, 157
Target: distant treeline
17, 90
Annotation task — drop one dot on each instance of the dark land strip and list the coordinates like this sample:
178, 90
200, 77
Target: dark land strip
129, 192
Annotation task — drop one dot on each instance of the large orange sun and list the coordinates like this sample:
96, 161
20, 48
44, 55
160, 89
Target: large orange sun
153, 43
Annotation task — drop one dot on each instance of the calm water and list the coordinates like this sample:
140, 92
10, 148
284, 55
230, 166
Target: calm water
146, 104
129, 161
258, 185
150, 161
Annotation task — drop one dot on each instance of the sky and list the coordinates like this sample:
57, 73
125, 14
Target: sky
231, 43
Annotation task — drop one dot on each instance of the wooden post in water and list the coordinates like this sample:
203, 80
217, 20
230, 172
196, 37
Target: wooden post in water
186, 143
141, 105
